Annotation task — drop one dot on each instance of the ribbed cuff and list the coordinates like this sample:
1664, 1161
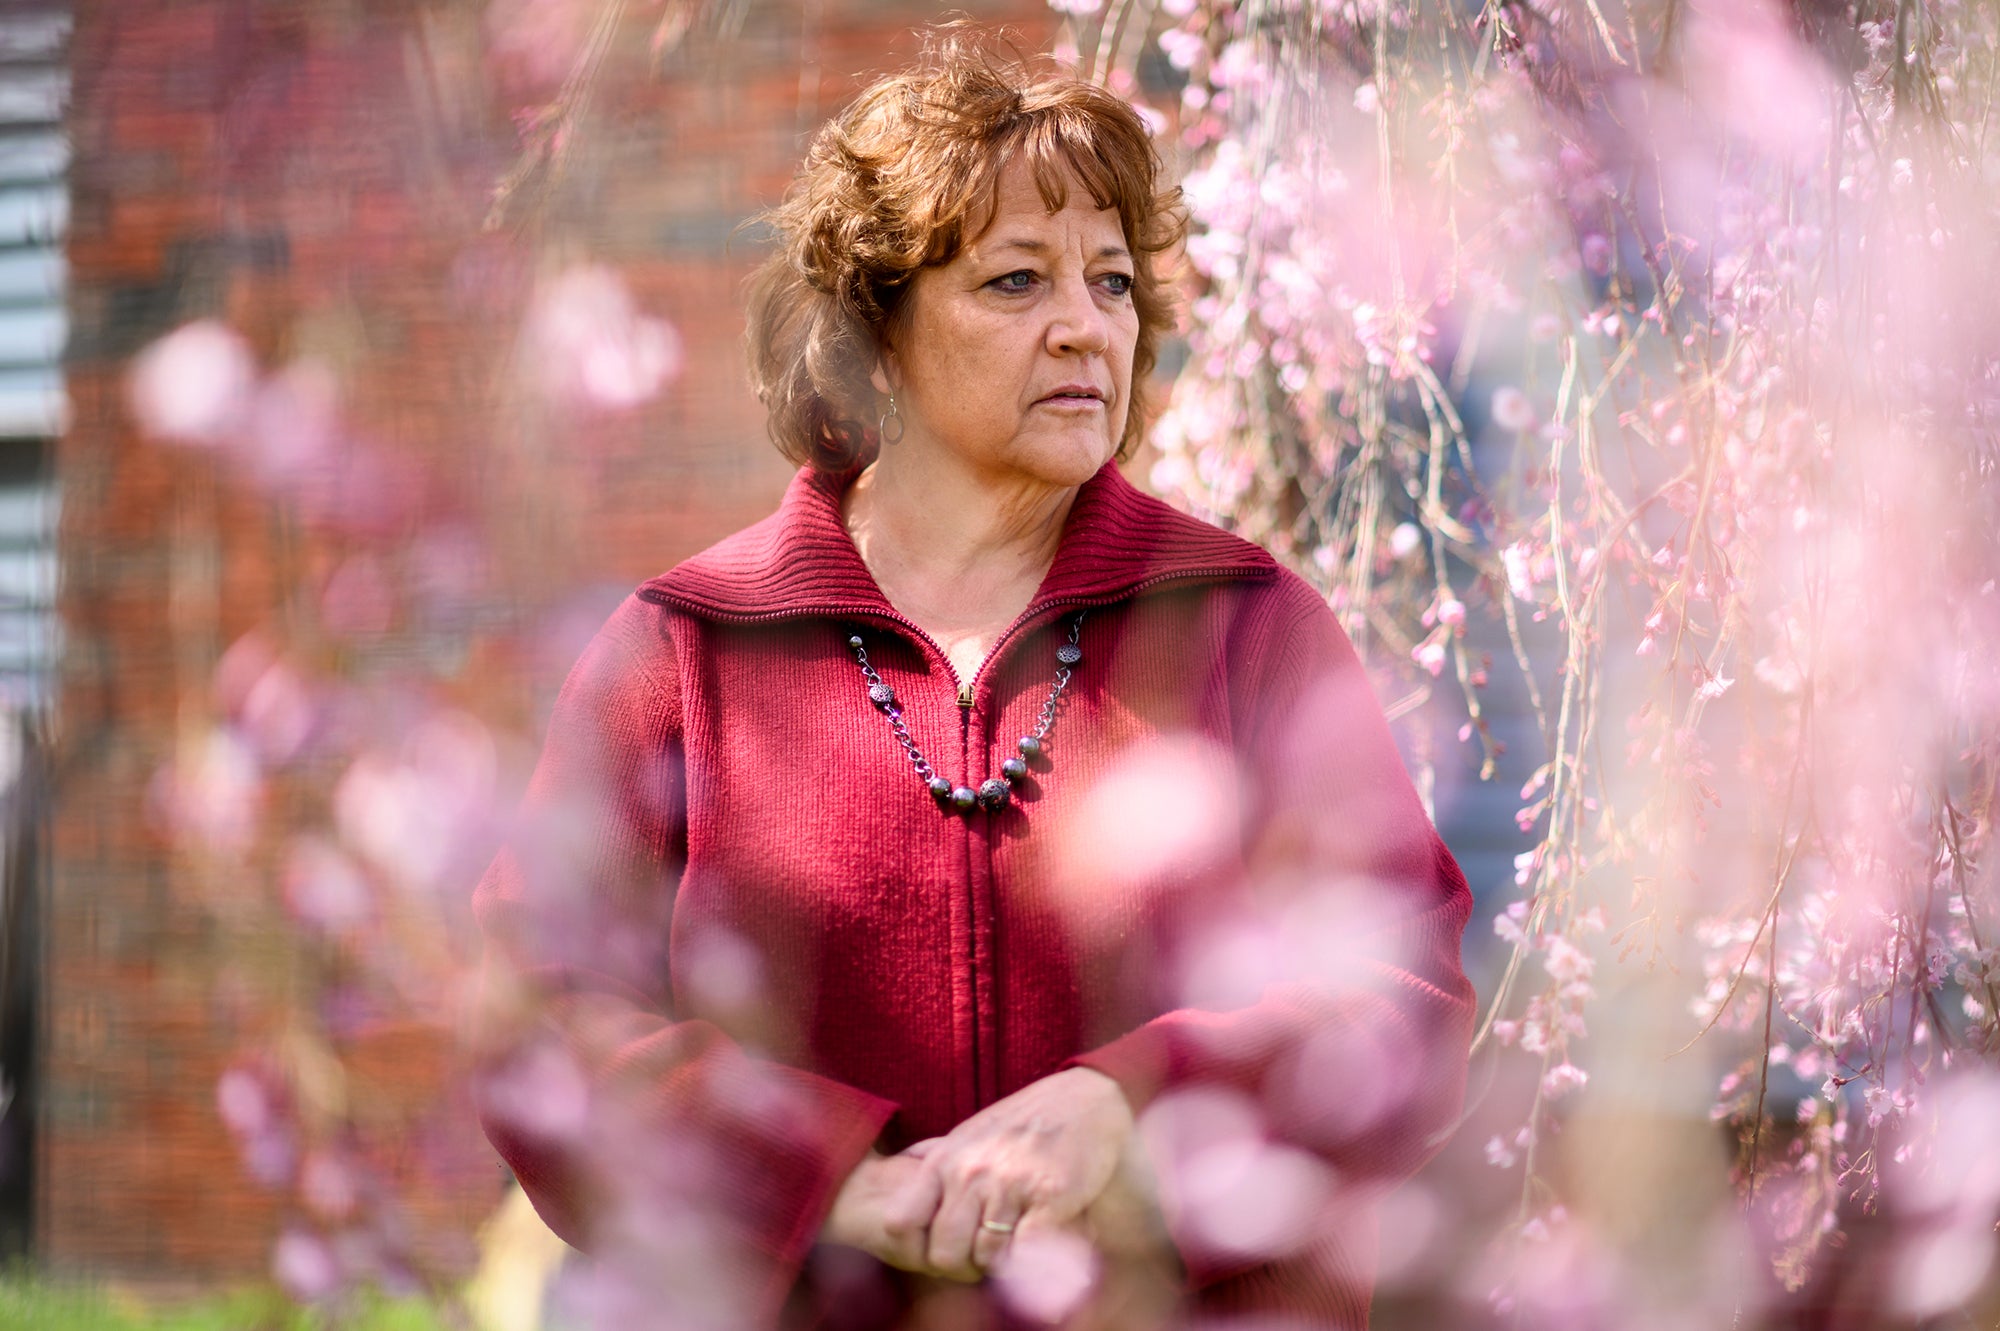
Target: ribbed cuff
1138, 1061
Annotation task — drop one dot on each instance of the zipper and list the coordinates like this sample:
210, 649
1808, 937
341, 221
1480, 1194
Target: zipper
972, 976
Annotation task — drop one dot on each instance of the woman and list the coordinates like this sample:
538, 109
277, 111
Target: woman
976, 859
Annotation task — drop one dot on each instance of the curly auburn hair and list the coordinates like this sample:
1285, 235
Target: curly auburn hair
898, 182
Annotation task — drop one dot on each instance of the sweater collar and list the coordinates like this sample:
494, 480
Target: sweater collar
1117, 542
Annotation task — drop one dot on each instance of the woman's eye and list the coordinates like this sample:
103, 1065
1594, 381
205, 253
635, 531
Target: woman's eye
1015, 281
1119, 283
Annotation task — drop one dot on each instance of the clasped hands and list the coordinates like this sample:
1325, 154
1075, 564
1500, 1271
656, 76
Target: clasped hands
1056, 1155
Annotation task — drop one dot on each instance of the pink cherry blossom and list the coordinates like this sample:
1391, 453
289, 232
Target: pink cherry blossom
588, 345
194, 385
1512, 410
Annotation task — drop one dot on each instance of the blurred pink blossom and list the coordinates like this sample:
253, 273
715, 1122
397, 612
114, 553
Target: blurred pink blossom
294, 424
257, 1115
540, 1091
412, 814
1232, 1190
1045, 1277
1747, 64
721, 971
1166, 809
304, 1266
325, 889
1939, 1269
587, 345
212, 791
327, 1184
534, 43
265, 697
1565, 961
243, 1101
1181, 47
1229, 967
194, 385
278, 714
1960, 1180
1516, 559
1512, 411
1563, 1078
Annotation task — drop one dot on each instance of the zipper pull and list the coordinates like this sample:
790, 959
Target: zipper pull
965, 695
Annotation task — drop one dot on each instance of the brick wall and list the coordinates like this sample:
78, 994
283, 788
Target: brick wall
315, 174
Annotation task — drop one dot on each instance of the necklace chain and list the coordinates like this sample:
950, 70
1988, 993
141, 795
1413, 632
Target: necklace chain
995, 791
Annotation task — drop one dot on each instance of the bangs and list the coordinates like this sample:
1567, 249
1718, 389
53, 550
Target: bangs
1064, 144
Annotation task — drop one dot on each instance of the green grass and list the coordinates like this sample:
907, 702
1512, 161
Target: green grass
28, 1304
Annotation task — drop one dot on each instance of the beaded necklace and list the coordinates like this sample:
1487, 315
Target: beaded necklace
995, 791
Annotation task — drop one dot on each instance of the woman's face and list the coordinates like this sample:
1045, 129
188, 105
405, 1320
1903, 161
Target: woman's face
1017, 355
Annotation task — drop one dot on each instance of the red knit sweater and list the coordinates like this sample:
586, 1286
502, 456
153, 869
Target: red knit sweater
740, 941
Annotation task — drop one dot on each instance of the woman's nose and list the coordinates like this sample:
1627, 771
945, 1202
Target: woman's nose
1076, 325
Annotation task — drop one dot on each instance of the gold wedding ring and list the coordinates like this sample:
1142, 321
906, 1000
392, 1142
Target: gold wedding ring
997, 1226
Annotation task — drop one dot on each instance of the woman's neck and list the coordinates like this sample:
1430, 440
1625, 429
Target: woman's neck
959, 554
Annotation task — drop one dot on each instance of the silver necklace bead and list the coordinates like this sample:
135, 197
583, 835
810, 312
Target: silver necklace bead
996, 792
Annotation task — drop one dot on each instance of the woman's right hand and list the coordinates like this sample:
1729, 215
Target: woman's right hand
884, 1208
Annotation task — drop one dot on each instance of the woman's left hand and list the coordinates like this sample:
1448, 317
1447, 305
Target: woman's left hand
1033, 1161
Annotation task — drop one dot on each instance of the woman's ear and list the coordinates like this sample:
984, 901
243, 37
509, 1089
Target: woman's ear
880, 376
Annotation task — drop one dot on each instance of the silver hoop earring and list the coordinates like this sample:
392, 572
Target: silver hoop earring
891, 417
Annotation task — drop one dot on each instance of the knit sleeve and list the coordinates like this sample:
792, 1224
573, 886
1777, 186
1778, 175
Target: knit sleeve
623, 1124
1351, 1058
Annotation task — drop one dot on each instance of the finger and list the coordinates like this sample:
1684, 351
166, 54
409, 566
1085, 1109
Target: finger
906, 1217
915, 1200
953, 1229
918, 1150
1036, 1223
996, 1230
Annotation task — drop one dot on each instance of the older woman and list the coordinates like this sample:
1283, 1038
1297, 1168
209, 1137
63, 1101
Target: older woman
977, 859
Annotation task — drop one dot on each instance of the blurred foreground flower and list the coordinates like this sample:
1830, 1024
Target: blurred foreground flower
587, 345
1046, 1277
194, 385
